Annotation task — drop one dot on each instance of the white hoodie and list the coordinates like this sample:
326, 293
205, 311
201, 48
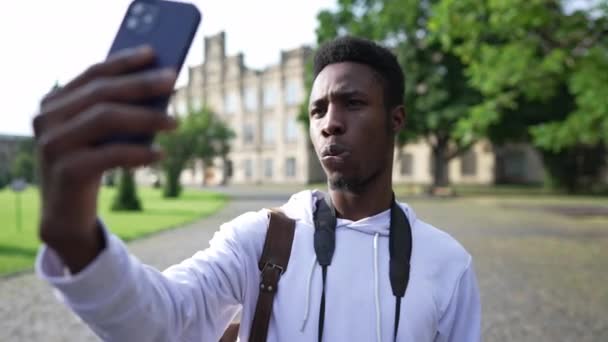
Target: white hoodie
123, 300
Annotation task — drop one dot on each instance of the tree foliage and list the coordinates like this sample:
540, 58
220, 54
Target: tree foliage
24, 163
200, 135
542, 67
520, 52
437, 95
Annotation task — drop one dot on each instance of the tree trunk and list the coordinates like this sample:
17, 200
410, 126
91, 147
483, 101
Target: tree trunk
126, 197
225, 170
440, 164
172, 186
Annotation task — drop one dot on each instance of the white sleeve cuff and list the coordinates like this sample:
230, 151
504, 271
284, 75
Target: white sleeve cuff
95, 282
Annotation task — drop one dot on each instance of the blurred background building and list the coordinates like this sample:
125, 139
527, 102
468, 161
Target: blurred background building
271, 146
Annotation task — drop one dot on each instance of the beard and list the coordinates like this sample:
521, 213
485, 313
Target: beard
340, 183
355, 185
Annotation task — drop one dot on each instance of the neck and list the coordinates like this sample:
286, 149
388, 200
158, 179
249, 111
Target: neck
375, 198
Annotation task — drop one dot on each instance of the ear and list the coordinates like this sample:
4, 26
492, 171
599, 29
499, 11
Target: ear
397, 118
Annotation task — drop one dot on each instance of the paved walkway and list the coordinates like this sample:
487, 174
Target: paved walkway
29, 312
532, 290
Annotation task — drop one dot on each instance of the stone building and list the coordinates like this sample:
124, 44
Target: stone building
261, 107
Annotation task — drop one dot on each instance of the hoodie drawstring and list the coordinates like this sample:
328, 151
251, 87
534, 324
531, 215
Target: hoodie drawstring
376, 291
308, 287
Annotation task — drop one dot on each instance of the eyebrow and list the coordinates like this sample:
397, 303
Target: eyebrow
340, 94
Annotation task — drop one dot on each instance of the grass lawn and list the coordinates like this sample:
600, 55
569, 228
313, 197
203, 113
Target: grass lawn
18, 248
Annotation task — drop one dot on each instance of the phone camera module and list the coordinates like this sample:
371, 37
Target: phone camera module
142, 17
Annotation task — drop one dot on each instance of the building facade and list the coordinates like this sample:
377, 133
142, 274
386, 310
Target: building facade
271, 146
261, 107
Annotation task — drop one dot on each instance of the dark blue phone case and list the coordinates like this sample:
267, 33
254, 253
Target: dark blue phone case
169, 28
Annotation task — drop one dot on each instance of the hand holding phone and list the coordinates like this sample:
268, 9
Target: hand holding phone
124, 98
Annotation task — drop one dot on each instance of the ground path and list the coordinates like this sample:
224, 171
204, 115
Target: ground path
543, 277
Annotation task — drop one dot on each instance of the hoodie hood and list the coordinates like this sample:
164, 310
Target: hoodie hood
302, 205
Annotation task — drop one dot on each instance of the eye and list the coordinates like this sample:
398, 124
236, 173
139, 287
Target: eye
317, 112
355, 103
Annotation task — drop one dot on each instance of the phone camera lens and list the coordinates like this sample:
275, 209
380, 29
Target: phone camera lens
148, 19
132, 23
138, 8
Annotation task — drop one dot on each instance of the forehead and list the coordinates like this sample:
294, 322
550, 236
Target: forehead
346, 77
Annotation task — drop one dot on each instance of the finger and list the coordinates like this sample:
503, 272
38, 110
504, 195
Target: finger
52, 94
121, 62
131, 88
89, 164
101, 121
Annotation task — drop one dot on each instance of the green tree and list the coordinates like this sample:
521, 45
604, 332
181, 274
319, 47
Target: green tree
220, 137
23, 167
126, 198
24, 164
200, 135
437, 94
542, 67
4, 180
214, 139
178, 147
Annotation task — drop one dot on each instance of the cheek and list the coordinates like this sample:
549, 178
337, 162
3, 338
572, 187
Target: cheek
376, 142
313, 133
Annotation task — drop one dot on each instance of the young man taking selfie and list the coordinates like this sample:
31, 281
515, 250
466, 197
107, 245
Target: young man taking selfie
361, 266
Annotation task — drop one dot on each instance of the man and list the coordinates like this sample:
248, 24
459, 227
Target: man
355, 111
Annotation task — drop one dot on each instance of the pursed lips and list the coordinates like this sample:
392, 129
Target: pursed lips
334, 152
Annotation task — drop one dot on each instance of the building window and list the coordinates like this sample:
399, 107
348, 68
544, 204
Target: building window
248, 168
292, 92
269, 134
270, 96
468, 163
251, 99
407, 161
230, 103
248, 134
268, 168
291, 130
290, 167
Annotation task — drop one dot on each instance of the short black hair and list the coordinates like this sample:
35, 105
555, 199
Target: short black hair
358, 50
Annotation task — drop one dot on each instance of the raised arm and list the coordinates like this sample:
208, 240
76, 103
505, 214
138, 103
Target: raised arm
117, 296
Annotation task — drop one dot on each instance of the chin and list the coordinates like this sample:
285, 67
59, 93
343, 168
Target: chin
338, 182
353, 182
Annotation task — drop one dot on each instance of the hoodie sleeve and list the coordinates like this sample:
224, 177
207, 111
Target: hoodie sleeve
461, 321
121, 299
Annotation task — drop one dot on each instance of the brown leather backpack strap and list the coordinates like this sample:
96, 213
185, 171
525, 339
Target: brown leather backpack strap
231, 334
272, 264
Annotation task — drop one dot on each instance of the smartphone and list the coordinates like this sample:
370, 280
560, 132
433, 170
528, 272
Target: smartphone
169, 28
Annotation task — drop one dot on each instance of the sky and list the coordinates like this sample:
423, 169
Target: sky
48, 41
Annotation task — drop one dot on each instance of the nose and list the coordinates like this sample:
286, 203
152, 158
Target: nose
334, 123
